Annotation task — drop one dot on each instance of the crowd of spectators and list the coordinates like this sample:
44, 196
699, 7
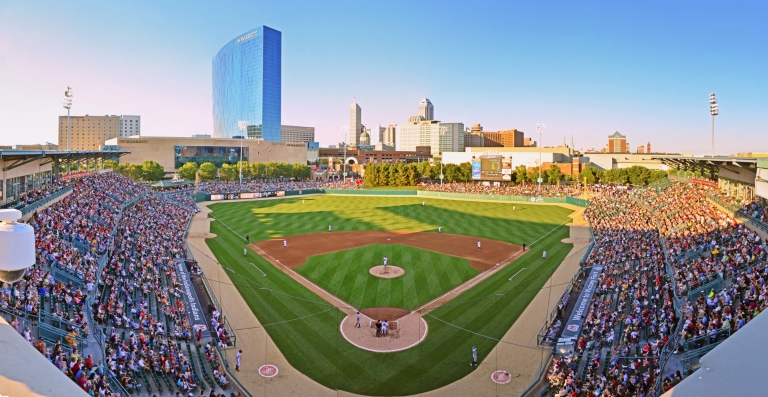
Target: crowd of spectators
508, 190
221, 187
34, 195
632, 316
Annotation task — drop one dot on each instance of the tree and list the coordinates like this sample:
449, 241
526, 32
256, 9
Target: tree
617, 176
132, 171
424, 168
521, 173
188, 171
383, 174
451, 172
533, 175
413, 174
271, 170
152, 171
591, 174
207, 172
246, 169
465, 171
257, 170
392, 177
554, 175
402, 175
111, 164
371, 178
228, 172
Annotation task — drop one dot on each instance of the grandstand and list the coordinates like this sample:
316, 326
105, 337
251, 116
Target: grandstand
672, 285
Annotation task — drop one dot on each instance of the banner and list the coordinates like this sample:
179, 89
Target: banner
581, 308
475, 169
194, 311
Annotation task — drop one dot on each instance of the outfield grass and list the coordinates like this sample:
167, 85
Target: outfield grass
314, 345
346, 275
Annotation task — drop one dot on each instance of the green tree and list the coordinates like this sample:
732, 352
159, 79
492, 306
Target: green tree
413, 174
383, 174
616, 176
257, 170
533, 175
246, 169
402, 175
451, 172
132, 171
392, 177
591, 174
113, 164
465, 171
424, 168
228, 172
207, 172
554, 175
152, 171
272, 170
521, 174
371, 177
188, 171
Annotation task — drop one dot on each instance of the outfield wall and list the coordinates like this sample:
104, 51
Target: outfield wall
529, 199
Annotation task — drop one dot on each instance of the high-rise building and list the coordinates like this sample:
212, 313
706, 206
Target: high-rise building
90, 132
389, 135
293, 133
506, 138
129, 126
440, 137
247, 85
641, 149
617, 143
355, 123
426, 109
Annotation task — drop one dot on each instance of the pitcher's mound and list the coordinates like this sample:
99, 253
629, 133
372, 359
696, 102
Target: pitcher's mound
390, 272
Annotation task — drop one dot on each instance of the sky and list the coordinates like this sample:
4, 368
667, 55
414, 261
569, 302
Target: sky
584, 69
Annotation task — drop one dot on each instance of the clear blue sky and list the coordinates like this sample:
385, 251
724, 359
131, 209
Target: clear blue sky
585, 69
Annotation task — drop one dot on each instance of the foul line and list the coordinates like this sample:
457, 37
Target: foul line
486, 336
518, 272
257, 268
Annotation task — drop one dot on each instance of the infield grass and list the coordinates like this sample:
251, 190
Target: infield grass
314, 345
427, 275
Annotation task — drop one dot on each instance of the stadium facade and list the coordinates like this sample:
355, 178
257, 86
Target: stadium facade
247, 84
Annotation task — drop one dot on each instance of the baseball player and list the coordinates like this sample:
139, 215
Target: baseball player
239, 354
474, 356
247, 239
513, 208
478, 244
384, 326
439, 229
245, 252
285, 243
544, 255
329, 228
357, 320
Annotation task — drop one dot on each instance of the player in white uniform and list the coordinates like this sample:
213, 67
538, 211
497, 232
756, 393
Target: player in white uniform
478, 245
357, 320
544, 255
285, 243
239, 354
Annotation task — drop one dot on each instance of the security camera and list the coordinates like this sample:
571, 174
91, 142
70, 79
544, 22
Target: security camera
17, 246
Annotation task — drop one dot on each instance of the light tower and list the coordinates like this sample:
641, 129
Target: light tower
714, 112
540, 129
242, 125
68, 94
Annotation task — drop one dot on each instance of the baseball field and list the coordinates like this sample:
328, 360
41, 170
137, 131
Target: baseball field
466, 296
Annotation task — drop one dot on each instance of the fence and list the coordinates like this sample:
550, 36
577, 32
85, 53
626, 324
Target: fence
37, 204
47, 331
368, 192
515, 199
542, 338
65, 277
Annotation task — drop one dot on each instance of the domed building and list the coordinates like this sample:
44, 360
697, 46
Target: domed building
365, 138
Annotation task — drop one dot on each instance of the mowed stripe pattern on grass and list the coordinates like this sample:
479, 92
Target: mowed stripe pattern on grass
266, 219
346, 275
314, 346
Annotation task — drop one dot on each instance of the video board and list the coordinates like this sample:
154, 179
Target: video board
217, 155
491, 168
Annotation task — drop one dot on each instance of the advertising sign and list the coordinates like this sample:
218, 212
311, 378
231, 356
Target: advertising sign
581, 308
195, 312
476, 174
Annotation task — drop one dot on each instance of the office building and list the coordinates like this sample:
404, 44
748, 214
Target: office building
173, 152
390, 132
617, 143
247, 86
90, 132
293, 133
426, 109
130, 126
423, 130
355, 123
507, 138
640, 149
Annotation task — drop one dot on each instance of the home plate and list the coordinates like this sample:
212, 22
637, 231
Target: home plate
501, 377
269, 371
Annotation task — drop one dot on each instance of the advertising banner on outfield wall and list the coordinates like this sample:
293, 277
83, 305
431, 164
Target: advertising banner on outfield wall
581, 308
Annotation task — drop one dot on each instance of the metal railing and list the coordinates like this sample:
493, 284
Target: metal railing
39, 203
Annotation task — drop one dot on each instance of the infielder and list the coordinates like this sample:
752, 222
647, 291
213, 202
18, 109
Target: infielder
329, 228
474, 357
285, 243
439, 229
478, 244
357, 320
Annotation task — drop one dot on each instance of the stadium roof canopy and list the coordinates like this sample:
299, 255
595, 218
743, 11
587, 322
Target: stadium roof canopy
15, 158
735, 367
706, 162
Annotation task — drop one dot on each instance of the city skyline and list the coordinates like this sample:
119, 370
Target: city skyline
587, 71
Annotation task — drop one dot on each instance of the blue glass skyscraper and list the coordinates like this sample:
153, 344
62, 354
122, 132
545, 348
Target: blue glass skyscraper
247, 85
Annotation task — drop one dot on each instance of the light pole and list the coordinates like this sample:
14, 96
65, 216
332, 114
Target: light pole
714, 112
242, 124
344, 174
540, 129
68, 94
442, 133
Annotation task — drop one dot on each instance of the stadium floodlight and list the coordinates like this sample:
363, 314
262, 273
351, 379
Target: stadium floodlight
68, 94
17, 246
540, 129
242, 125
714, 111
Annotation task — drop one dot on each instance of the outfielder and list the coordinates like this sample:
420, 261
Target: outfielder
544, 255
245, 252
474, 357
329, 228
